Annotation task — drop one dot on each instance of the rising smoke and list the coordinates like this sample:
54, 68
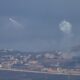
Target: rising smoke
66, 28
15, 23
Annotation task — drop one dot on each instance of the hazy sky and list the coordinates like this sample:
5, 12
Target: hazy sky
33, 25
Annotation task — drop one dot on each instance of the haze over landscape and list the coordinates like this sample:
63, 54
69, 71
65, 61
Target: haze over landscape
39, 25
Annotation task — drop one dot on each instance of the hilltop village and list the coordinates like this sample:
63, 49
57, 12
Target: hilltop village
54, 61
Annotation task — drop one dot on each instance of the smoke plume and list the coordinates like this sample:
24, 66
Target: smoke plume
65, 27
15, 23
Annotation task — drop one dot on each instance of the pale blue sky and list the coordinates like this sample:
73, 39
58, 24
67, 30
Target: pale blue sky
38, 20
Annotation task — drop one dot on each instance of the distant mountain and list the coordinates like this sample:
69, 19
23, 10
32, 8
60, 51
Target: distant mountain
76, 48
8, 51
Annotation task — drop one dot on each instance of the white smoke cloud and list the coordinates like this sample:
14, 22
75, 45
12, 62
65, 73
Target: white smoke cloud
65, 27
15, 23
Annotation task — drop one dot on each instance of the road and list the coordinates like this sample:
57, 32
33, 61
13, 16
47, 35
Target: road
57, 73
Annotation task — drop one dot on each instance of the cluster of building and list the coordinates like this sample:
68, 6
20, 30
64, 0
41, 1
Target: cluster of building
46, 62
